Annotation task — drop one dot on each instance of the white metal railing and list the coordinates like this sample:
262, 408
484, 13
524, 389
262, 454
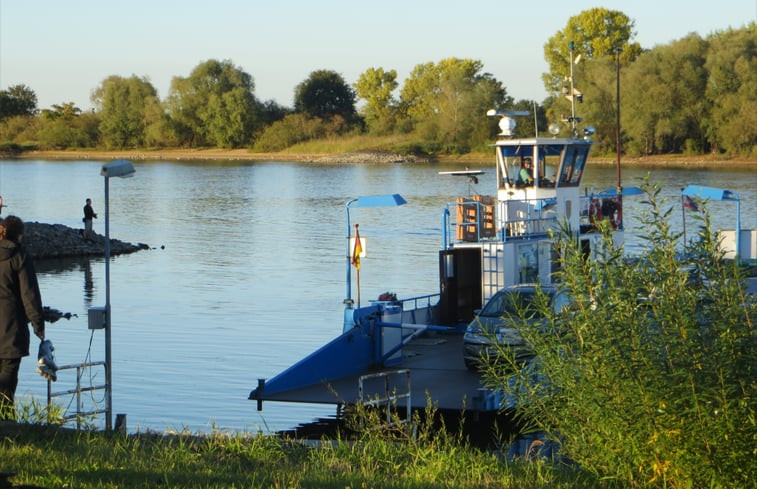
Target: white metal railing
78, 390
389, 397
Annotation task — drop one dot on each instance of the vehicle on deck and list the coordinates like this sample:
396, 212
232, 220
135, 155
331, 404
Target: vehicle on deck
499, 322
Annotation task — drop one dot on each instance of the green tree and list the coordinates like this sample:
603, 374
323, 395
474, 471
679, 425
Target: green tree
20, 130
447, 102
214, 105
64, 126
17, 100
664, 98
325, 94
123, 104
649, 377
593, 33
376, 86
732, 89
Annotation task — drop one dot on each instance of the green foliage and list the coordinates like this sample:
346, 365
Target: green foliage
124, 104
325, 94
64, 126
289, 131
663, 104
214, 105
732, 87
376, 86
447, 102
693, 95
650, 378
17, 100
379, 456
20, 129
594, 33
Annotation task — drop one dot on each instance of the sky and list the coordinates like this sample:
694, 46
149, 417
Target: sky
64, 49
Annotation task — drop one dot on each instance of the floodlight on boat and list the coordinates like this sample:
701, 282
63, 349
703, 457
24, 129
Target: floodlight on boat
588, 131
554, 129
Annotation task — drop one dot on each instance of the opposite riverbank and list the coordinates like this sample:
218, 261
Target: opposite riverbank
366, 156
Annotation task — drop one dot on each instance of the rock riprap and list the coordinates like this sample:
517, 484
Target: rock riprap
57, 241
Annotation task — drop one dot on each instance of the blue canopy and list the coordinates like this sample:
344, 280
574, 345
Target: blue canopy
712, 193
377, 201
709, 193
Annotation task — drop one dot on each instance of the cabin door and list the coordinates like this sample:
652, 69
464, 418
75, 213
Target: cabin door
460, 284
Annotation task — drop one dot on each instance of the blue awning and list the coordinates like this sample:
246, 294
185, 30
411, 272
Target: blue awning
377, 201
709, 193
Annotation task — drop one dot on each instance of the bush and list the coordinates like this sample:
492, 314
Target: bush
650, 378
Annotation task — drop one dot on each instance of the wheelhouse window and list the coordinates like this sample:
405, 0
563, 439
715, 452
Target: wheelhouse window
573, 164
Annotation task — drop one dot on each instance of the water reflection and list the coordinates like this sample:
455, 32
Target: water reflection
70, 266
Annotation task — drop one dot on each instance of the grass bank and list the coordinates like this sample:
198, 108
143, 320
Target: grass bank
52, 457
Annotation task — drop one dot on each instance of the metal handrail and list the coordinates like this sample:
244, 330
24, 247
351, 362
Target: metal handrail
78, 391
390, 398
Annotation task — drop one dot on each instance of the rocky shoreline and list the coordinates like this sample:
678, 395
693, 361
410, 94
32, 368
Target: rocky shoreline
58, 241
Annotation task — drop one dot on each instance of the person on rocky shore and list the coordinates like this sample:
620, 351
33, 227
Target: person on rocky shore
89, 214
20, 303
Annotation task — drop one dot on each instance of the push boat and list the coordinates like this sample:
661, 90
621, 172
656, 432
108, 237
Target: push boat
407, 352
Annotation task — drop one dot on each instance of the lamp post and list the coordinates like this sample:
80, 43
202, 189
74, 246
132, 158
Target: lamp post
121, 169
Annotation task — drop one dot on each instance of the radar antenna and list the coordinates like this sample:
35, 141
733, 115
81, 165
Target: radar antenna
506, 122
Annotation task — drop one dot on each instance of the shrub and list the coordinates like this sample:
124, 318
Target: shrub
651, 378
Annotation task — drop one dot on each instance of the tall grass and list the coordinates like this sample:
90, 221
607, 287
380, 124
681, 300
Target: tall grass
415, 456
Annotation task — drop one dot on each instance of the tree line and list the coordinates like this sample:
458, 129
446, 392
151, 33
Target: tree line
695, 95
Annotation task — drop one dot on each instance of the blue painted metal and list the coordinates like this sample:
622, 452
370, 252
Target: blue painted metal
351, 353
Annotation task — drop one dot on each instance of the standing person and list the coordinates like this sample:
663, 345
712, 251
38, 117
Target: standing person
20, 303
89, 214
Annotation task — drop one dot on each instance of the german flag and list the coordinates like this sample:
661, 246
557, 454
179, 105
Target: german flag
357, 250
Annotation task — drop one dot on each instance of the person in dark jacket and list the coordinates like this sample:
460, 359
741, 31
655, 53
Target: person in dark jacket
20, 303
89, 214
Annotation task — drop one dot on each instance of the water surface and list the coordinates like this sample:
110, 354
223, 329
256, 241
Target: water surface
246, 273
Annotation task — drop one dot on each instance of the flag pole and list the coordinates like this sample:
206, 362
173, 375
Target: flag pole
683, 213
356, 251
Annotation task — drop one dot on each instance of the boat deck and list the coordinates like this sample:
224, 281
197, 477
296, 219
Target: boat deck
437, 372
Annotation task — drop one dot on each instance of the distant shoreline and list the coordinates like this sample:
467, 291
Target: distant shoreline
692, 161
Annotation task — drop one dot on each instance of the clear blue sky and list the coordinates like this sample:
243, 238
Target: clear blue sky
63, 49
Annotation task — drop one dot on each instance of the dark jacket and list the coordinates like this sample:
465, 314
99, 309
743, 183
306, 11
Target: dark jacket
20, 300
89, 213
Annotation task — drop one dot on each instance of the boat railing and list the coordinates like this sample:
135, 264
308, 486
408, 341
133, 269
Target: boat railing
389, 393
474, 220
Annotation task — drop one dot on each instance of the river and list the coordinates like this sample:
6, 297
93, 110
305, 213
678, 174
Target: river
246, 271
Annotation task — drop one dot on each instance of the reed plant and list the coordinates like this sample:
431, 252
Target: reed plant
650, 378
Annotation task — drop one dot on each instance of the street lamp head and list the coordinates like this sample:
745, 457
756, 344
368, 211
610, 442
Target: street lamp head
118, 168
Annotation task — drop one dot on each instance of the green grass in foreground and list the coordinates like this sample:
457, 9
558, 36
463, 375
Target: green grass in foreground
52, 457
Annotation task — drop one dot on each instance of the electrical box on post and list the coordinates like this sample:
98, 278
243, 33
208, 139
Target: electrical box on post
96, 317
